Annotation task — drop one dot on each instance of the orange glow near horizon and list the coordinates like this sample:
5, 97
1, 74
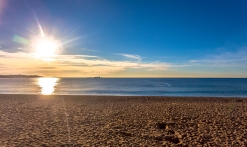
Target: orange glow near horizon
47, 85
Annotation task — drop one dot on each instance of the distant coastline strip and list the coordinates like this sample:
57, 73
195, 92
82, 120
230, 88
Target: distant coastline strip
20, 76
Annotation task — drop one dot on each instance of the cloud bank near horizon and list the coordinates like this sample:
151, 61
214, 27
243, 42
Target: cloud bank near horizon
71, 65
89, 65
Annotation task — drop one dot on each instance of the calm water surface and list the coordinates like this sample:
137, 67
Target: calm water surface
231, 87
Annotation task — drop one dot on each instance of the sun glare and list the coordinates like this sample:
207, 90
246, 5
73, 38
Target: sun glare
45, 48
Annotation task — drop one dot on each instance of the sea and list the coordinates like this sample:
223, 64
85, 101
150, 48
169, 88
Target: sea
215, 87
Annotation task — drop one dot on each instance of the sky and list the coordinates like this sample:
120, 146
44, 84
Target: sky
130, 38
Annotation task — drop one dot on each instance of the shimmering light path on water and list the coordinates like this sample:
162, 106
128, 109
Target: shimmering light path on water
47, 85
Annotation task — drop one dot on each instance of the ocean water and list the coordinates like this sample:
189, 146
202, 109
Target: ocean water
229, 87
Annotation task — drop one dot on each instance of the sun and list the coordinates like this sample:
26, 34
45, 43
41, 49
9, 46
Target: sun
44, 47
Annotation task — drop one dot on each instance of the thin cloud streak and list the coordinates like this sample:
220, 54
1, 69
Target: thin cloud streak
131, 56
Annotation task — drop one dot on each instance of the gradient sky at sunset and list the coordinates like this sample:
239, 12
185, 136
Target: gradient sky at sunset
128, 38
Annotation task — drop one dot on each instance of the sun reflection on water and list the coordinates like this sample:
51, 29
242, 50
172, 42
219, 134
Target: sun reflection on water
47, 85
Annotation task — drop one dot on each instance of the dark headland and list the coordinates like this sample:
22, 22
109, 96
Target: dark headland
20, 76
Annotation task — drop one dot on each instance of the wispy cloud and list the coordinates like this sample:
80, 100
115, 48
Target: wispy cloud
90, 50
226, 59
75, 56
131, 56
193, 61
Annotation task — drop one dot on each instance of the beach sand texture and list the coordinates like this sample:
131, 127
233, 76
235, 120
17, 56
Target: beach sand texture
35, 120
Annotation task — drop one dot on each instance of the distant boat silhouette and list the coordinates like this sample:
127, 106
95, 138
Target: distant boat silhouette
97, 77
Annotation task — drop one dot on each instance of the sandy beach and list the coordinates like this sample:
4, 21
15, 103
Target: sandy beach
35, 120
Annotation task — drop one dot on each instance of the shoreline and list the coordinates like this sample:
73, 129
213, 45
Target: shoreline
80, 120
155, 96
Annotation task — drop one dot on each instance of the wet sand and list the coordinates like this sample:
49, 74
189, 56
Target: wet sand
33, 120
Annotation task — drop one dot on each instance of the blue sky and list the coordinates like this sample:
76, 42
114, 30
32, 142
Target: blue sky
130, 38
